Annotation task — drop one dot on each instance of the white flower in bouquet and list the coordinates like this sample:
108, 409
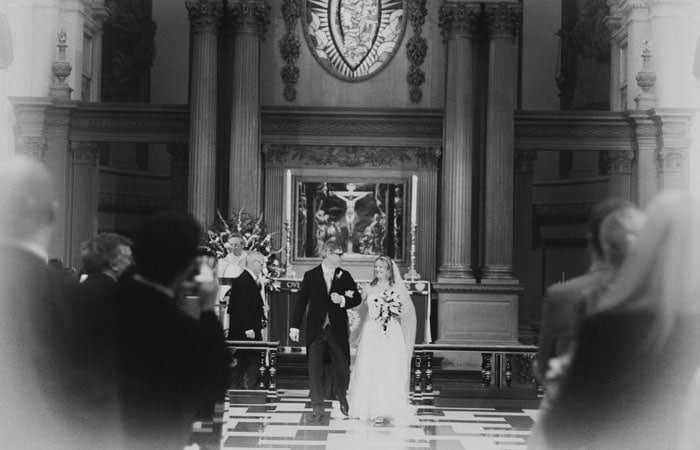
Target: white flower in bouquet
389, 306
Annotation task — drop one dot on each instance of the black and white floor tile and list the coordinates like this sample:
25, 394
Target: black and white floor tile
282, 425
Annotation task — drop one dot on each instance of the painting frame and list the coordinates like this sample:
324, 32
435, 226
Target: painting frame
366, 217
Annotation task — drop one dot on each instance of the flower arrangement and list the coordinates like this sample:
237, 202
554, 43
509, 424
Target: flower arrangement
255, 238
389, 306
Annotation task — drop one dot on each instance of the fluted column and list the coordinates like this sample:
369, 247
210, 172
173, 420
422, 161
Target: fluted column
613, 26
204, 17
522, 261
620, 166
84, 196
458, 23
503, 21
250, 18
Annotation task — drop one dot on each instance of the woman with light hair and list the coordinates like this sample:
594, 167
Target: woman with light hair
636, 356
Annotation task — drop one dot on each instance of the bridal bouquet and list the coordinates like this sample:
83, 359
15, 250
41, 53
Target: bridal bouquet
389, 306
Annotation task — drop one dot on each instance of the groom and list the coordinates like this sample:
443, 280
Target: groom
328, 291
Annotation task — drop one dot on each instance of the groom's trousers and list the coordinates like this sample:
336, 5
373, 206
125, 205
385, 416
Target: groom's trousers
340, 368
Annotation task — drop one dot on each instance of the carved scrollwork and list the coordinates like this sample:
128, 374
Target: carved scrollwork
416, 49
289, 47
619, 161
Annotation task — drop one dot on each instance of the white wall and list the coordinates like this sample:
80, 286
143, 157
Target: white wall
170, 73
541, 20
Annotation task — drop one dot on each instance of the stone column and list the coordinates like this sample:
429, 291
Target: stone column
522, 263
177, 153
620, 165
613, 25
503, 21
204, 17
84, 196
458, 23
250, 18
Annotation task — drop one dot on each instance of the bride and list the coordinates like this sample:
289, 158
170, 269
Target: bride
380, 379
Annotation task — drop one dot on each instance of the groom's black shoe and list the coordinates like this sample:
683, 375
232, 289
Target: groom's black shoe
344, 405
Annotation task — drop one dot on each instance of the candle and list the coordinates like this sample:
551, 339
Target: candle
414, 198
288, 197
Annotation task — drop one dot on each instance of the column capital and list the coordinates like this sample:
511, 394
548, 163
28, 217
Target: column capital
504, 19
619, 162
34, 147
458, 20
85, 153
525, 161
250, 16
204, 15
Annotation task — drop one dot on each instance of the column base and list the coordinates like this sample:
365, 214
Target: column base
477, 313
498, 274
456, 274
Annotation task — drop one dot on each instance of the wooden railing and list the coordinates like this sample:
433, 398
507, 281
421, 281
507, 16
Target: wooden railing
496, 367
268, 363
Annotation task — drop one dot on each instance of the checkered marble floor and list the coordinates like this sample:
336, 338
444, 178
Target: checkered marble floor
282, 425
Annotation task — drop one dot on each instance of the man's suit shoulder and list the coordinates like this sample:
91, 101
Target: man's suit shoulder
573, 288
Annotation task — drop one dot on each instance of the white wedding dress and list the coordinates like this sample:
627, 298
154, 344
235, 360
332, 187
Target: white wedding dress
380, 376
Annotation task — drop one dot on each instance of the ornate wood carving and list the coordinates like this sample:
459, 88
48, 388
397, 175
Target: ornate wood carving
289, 46
204, 16
350, 156
503, 19
619, 161
458, 20
416, 49
84, 153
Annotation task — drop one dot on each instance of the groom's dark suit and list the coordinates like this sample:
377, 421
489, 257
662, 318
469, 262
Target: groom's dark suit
321, 338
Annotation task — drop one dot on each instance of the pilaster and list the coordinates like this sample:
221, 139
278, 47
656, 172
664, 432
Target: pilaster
84, 196
522, 258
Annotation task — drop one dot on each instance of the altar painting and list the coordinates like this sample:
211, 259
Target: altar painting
365, 219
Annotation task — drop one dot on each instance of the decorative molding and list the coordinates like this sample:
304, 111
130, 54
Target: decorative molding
289, 47
61, 70
143, 123
204, 16
416, 49
646, 79
122, 203
358, 126
619, 162
672, 160
250, 16
525, 161
351, 156
562, 213
504, 19
458, 20
85, 153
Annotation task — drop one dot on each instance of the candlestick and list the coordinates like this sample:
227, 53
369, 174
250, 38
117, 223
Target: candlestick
414, 198
288, 197
412, 274
288, 268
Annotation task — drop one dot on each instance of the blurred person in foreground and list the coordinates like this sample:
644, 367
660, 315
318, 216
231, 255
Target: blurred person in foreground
36, 317
170, 363
636, 355
566, 304
246, 316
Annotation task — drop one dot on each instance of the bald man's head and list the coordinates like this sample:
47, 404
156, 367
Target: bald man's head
28, 203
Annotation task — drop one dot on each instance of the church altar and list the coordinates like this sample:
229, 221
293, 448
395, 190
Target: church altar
282, 299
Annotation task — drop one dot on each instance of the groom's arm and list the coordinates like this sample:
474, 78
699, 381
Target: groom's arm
355, 298
302, 300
